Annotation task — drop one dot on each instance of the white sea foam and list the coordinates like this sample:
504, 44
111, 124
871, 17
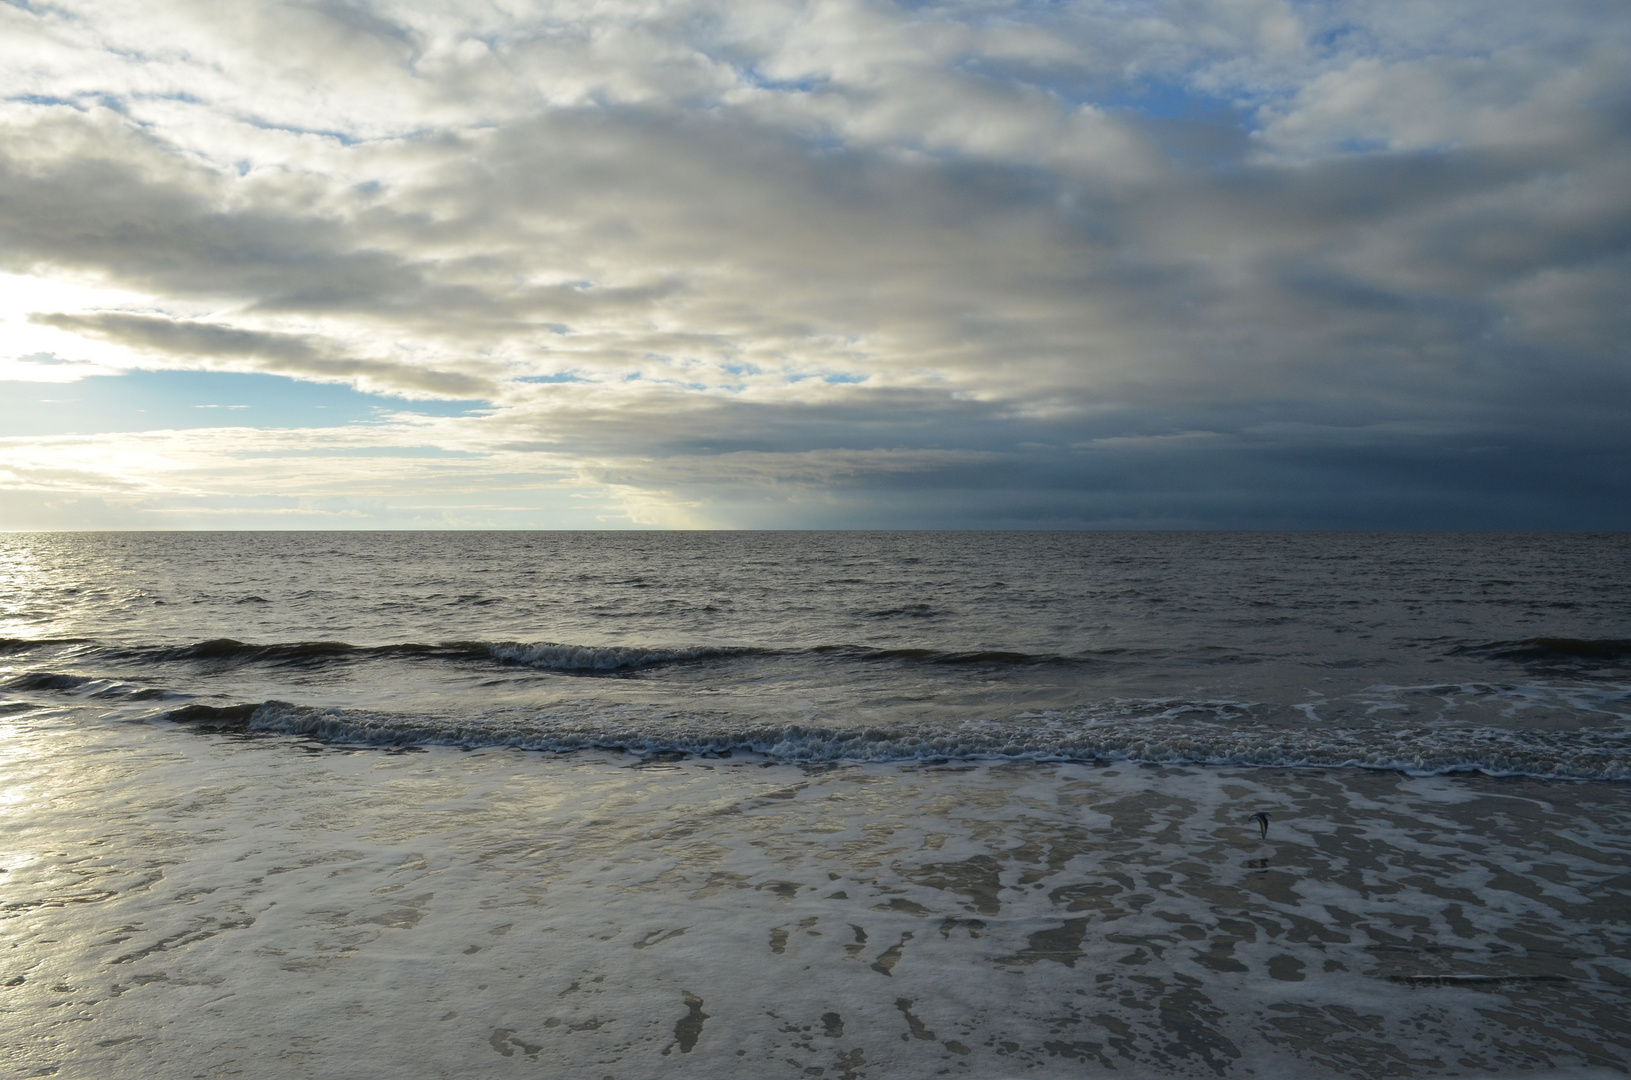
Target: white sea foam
1154, 733
180, 904
551, 656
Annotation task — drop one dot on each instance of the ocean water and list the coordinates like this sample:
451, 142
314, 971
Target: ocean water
815, 804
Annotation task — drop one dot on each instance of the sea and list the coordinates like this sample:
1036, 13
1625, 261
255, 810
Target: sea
610, 805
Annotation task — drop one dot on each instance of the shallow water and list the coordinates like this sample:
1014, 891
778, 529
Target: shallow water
921, 845
227, 905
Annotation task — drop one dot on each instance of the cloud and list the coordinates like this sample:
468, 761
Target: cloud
390, 474
846, 261
273, 353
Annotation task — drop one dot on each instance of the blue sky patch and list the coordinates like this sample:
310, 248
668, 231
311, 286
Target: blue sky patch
154, 400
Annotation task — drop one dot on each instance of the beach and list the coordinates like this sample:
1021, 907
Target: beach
181, 905
481, 806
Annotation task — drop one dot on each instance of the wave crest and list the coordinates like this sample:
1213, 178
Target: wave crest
567, 658
551, 656
1556, 650
1166, 733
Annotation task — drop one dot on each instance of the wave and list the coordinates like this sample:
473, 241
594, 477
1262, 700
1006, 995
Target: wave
550, 656
1569, 656
12, 646
1155, 733
1555, 651
544, 656
46, 680
952, 658
561, 657
79, 686
229, 651
216, 717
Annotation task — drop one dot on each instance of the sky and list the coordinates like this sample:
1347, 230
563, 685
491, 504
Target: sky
828, 264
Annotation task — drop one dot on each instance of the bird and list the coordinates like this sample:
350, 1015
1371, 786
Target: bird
1262, 820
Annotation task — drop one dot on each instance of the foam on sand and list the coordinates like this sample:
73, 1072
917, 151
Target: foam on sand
180, 903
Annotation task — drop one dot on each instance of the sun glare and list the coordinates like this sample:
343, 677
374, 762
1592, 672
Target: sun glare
33, 351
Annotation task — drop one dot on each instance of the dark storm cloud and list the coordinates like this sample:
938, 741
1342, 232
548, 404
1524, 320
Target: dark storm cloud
1239, 466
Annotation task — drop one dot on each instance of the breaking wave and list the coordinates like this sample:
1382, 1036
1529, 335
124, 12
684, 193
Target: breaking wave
1155, 733
550, 656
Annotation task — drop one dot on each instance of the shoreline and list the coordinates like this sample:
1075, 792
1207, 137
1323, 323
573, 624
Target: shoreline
280, 908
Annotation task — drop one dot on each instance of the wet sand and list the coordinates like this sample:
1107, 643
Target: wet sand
186, 904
